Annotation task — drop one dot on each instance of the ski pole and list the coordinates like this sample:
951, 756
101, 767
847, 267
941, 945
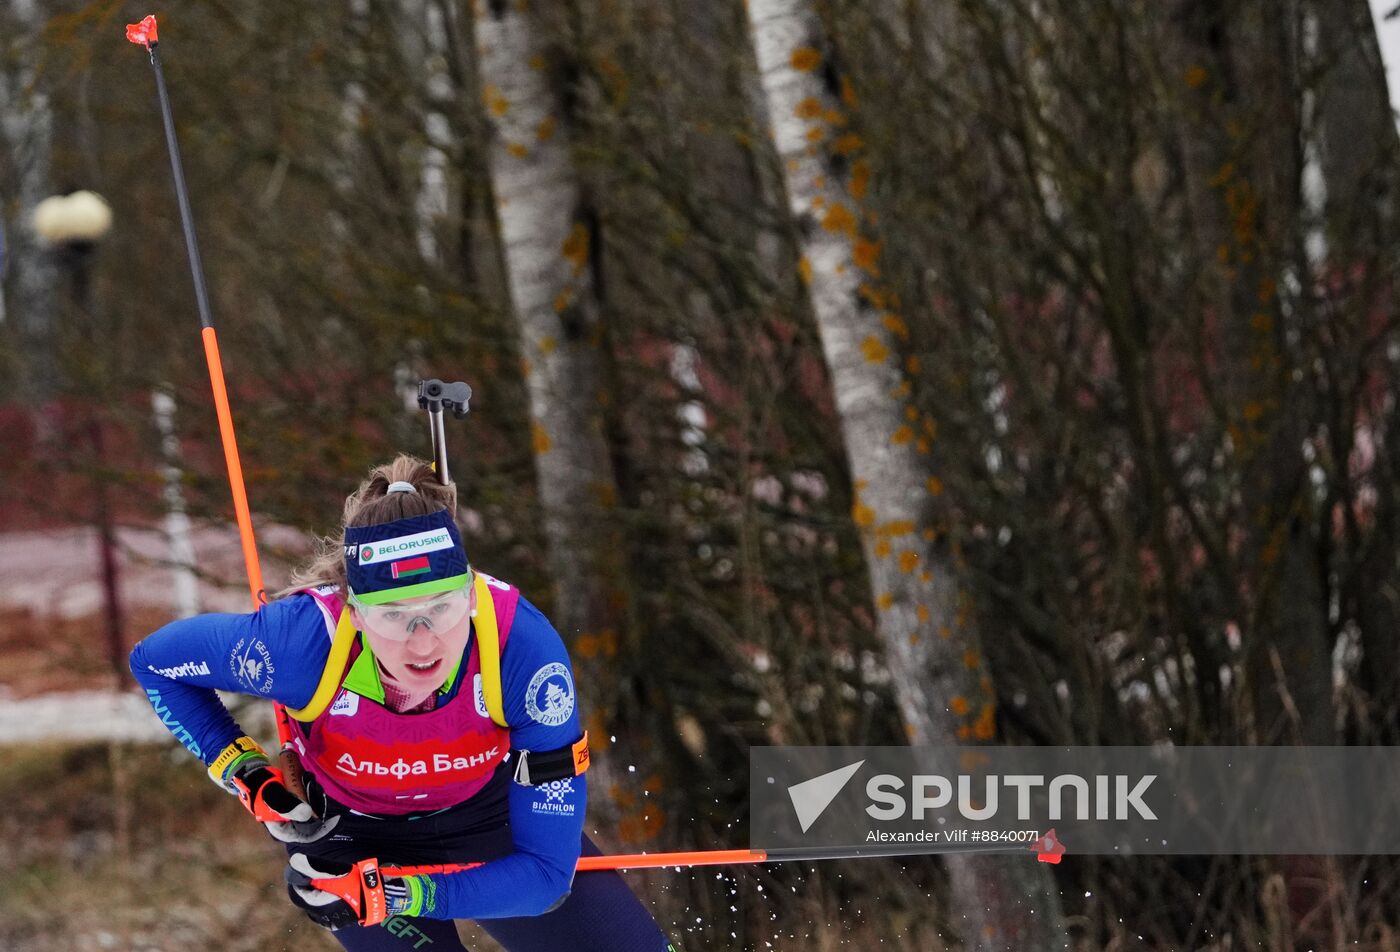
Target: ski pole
1047, 849
350, 886
144, 34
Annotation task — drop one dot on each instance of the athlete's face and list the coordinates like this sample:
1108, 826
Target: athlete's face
418, 640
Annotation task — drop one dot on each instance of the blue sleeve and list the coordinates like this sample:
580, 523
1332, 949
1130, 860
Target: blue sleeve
277, 653
546, 821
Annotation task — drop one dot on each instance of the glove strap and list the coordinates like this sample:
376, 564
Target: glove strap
362, 889
252, 799
232, 757
407, 895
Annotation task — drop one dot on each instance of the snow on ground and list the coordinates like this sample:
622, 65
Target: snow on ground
79, 716
76, 716
55, 575
55, 572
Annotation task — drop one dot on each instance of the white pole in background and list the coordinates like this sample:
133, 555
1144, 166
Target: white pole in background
177, 521
1386, 13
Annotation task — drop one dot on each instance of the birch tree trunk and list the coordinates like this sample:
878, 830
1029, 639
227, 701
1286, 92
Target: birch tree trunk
547, 249
28, 280
430, 49
1360, 168
1235, 77
932, 649
1358, 127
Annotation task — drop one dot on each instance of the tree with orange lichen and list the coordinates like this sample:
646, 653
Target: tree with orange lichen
913, 575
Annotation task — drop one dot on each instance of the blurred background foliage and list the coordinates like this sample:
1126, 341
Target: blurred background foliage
1143, 257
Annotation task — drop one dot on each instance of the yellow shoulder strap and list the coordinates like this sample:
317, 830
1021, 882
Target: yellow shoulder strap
334, 672
488, 648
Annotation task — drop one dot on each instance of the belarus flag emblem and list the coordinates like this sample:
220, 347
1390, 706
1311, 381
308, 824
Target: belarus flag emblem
406, 567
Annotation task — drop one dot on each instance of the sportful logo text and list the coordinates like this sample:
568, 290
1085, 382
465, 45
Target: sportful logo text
187, 670
418, 544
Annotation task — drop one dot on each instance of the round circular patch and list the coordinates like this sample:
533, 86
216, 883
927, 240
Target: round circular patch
550, 696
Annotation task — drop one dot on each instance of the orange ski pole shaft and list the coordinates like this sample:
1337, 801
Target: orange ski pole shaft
793, 855
616, 861
687, 858
235, 468
720, 858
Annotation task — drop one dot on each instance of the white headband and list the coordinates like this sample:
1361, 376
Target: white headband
400, 487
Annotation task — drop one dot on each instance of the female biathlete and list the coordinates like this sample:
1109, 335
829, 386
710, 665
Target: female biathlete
437, 722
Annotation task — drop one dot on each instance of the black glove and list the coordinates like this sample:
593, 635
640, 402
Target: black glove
338, 895
244, 770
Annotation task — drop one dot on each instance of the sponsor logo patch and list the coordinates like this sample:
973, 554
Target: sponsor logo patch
419, 543
176, 728
438, 763
347, 703
187, 670
550, 697
250, 663
549, 798
479, 695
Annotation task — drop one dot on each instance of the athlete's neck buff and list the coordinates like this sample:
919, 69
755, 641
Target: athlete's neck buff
420, 555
